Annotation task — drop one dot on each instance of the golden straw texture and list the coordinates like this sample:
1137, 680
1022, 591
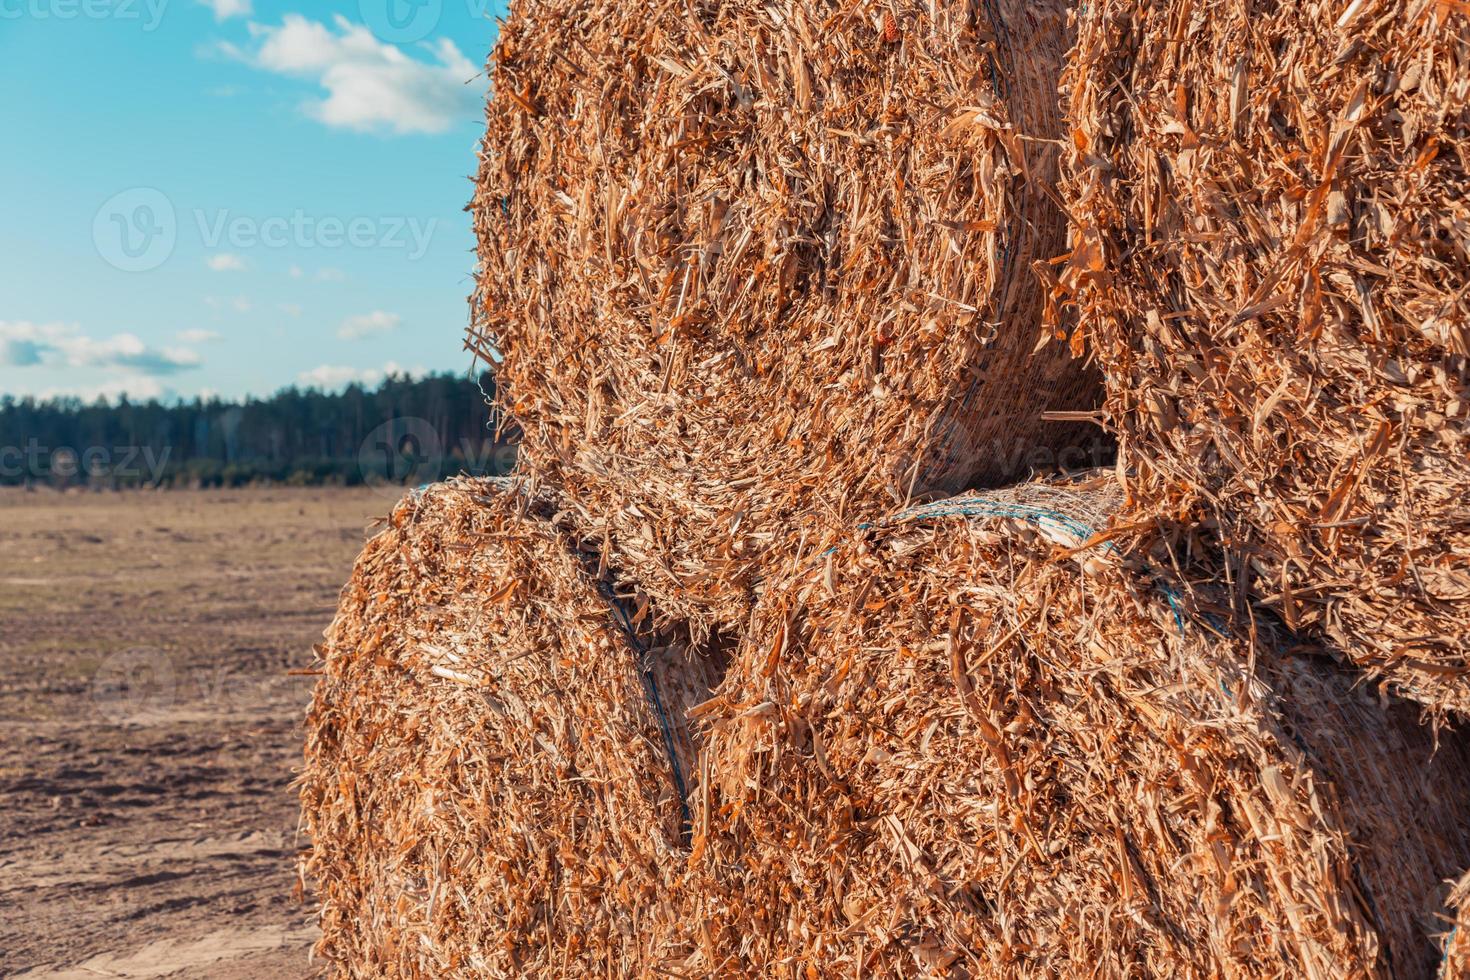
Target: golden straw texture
486, 788
952, 748
1271, 263
751, 269
1457, 949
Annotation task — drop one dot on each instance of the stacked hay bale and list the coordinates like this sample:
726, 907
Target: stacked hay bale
752, 269
755, 272
943, 748
487, 789
1270, 203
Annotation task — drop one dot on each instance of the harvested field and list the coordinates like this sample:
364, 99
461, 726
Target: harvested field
487, 789
749, 270
1269, 209
150, 729
962, 744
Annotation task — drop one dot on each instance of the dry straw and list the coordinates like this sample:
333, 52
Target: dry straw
958, 745
1457, 946
749, 269
487, 788
1272, 264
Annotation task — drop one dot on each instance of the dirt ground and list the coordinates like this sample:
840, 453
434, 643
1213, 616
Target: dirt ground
150, 728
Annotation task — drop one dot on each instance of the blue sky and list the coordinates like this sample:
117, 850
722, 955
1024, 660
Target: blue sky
230, 196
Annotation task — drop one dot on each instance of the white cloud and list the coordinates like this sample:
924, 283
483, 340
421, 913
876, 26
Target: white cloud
330, 274
296, 272
137, 389
368, 325
24, 344
290, 309
198, 336
370, 85
240, 304
225, 262
225, 9
330, 376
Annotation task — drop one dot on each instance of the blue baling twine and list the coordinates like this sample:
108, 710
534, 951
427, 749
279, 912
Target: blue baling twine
975, 506
1174, 607
1172, 595
980, 507
650, 688
1041, 517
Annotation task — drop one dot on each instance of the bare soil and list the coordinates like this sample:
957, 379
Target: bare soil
150, 725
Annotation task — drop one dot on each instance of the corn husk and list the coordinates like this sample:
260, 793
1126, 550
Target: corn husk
974, 740
487, 789
749, 269
1271, 244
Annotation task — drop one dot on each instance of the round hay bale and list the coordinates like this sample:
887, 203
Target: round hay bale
946, 747
1270, 204
487, 789
746, 267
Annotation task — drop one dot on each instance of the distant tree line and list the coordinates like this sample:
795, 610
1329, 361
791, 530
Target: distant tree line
405, 431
